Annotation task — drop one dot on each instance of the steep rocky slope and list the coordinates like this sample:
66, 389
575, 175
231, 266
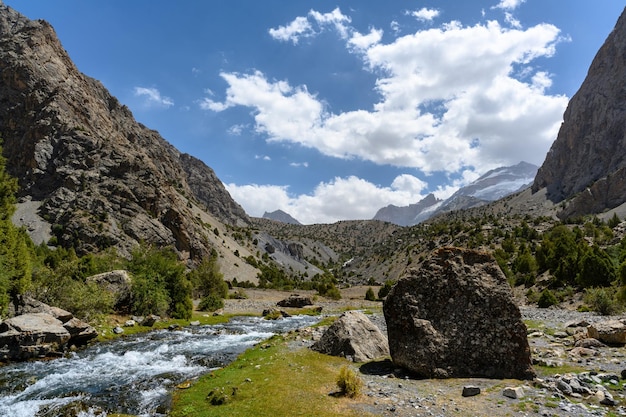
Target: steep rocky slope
587, 162
85, 166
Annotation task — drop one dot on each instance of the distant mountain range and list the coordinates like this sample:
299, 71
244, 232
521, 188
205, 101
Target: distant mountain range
492, 186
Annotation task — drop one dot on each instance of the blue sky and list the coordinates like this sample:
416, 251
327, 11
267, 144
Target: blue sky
330, 110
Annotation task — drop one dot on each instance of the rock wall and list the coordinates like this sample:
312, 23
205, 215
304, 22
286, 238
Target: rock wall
589, 154
103, 178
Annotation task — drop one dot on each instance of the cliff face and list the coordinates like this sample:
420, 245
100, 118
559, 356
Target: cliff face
103, 179
589, 153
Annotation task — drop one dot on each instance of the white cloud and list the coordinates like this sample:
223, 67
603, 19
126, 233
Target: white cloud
363, 42
429, 117
299, 164
508, 4
263, 157
511, 20
339, 199
424, 14
299, 27
302, 26
153, 97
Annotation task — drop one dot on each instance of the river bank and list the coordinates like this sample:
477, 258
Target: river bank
389, 391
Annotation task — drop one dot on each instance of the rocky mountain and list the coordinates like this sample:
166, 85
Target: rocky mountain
493, 185
280, 216
86, 168
411, 214
586, 165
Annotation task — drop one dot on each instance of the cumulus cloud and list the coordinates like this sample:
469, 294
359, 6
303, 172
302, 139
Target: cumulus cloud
338, 199
450, 100
424, 14
153, 97
508, 4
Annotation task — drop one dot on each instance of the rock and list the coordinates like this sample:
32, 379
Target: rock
194, 323
149, 320
118, 283
80, 332
577, 323
513, 392
27, 305
296, 301
130, 323
118, 330
32, 335
353, 336
470, 391
589, 343
564, 387
456, 317
587, 160
611, 332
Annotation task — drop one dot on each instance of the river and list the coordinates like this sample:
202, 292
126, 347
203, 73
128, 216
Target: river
131, 375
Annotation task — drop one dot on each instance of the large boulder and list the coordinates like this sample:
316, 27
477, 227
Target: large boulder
353, 336
295, 301
118, 283
32, 335
611, 332
455, 317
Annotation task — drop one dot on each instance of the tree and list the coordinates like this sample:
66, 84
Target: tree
207, 279
159, 279
15, 246
596, 269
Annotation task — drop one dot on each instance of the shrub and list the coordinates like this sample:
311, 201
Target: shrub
369, 294
349, 383
546, 299
601, 300
211, 302
384, 290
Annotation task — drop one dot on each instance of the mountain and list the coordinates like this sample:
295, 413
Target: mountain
586, 165
411, 214
280, 216
88, 172
491, 186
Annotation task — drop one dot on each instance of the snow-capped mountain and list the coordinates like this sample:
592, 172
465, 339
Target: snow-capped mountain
492, 186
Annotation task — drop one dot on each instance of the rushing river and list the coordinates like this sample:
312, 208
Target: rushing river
132, 375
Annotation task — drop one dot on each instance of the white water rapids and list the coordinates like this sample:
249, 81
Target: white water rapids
132, 375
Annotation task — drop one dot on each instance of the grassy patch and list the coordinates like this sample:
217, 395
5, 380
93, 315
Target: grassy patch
268, 380
544, 371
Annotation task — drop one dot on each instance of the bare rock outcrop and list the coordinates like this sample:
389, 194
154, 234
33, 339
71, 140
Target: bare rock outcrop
353, 336
588, 158
102, 178
455, 317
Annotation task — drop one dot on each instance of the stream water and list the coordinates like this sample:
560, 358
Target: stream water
132, 375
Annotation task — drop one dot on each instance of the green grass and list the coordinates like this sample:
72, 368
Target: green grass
269, 380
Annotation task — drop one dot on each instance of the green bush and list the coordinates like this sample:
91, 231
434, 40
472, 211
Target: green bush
547, 299
602, 300
211, 302
369, 294
349, 383
384, 290
159, 279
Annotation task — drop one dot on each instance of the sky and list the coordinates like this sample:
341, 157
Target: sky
331, 110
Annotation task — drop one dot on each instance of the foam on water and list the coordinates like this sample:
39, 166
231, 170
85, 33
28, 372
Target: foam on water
132, 375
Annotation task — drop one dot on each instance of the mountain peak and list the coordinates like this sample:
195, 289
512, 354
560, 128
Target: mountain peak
280, 216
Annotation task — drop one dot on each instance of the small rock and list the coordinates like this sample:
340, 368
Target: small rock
470, 390
118, 330
513, 392
194, 323
130, 323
